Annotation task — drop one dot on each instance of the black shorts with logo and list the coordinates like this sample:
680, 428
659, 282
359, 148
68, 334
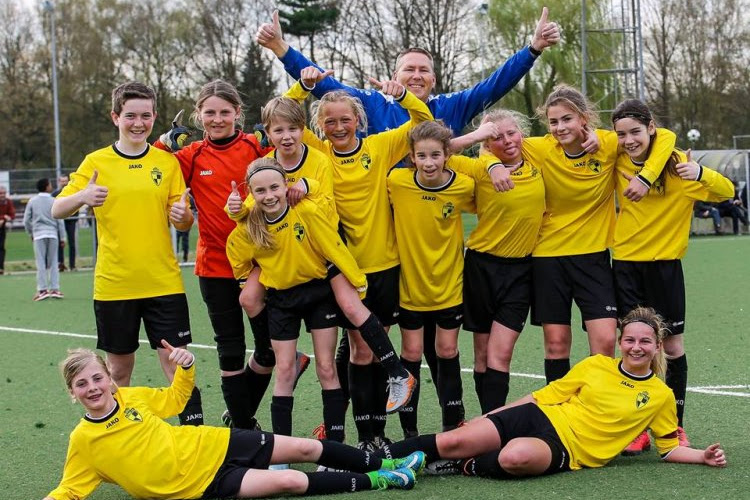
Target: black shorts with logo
247, 450
659, 284
496, 289
118, 322
312, 301
558, 281
528, 420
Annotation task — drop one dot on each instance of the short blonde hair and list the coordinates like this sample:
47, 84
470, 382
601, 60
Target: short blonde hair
76, 361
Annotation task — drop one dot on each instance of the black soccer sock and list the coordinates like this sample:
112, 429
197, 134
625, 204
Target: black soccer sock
486, 465
407, 414
676, 378
263, 354
430, 356
257, 384
340, 456
334, 412
360, 381
451, 389
326, 483
281, 414
377, 340
193, 412
495, 389
342, 363
237, 398
425, 443
556, 368
380, 399
478, 381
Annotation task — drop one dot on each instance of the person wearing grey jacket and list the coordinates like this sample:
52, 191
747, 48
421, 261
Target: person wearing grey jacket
46, 233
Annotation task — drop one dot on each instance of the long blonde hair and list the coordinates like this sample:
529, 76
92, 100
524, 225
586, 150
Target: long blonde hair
255, 221
650, 317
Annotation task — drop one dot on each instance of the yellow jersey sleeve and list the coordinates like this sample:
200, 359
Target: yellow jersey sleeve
167, 402
240, 252
328, 243
79, 478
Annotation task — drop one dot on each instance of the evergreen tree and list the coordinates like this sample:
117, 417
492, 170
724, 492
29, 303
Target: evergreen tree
308, 18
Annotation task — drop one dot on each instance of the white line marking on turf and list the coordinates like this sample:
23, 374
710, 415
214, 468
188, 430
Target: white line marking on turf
718, 390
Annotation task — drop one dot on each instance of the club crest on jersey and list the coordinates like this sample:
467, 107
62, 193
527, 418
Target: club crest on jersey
534, 171
156, 176
299, 231
366, 161
132, 414
641, 399
594, 165
448, 209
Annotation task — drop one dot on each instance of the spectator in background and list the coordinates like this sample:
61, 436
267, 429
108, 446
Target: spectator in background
704, 210
47, 234
183, 237
733, 208
7, 213
71, 231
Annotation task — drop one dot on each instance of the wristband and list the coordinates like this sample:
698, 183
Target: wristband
534, 52
643, 180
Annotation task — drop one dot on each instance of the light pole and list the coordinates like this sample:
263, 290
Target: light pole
49, 7
482, 10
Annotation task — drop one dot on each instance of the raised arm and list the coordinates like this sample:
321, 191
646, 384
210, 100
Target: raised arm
270, 36
461, 107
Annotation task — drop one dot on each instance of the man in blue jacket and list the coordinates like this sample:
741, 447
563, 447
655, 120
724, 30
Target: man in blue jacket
414, 69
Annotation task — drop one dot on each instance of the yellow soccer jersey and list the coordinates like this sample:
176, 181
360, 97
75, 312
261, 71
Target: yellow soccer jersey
430, 236
580, 202
658, 226
134, 448
508, 223
317, 171
305, 241
597, 410
135, 257
359, 186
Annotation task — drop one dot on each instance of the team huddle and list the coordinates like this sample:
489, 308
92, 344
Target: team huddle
357, 225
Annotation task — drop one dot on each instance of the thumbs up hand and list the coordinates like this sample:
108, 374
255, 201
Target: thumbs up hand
546, 34
94, 195
178, 355
388, 87
270, 36
311, 75
234, 202
689, 170
179, 213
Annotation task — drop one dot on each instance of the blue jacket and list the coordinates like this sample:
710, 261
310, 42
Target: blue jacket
456, 109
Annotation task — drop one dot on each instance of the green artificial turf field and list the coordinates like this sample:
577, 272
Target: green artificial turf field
36, 414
